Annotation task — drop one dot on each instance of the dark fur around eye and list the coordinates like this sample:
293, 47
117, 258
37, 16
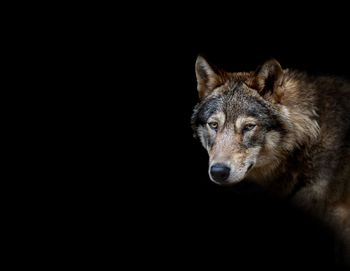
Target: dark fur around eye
248, 127
204, 110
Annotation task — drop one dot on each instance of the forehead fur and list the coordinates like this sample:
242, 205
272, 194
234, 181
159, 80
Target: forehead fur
235, 98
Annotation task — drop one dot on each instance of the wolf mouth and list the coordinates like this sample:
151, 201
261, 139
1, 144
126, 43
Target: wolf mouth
250, 166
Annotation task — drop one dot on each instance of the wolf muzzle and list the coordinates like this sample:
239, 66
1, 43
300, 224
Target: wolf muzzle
223, 174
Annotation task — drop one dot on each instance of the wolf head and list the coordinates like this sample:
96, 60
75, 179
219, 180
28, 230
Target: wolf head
238, 120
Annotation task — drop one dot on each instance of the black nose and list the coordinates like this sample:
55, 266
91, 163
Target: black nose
219, 172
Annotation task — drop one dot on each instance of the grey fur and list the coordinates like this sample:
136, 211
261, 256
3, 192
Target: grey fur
300, 146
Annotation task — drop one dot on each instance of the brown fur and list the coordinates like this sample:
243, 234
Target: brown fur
310, 163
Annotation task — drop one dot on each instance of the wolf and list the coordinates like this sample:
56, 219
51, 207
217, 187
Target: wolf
283, 129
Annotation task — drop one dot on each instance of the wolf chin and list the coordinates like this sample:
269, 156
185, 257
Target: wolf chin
285, 130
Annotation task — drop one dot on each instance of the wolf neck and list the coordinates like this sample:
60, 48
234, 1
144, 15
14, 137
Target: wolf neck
298, 113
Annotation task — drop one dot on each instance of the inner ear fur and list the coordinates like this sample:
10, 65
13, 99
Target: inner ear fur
208, 77
268, 78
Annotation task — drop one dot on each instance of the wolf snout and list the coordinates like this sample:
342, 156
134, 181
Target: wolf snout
219, 172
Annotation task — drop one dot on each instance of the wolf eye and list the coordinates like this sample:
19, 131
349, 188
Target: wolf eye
249, 127
213, 125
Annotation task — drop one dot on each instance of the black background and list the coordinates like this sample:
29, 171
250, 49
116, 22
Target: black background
127, 180
158, 203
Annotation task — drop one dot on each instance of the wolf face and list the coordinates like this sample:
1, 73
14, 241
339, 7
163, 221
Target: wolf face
238, 120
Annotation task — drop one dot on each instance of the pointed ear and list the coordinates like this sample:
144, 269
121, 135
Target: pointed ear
208, 77
268, 78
